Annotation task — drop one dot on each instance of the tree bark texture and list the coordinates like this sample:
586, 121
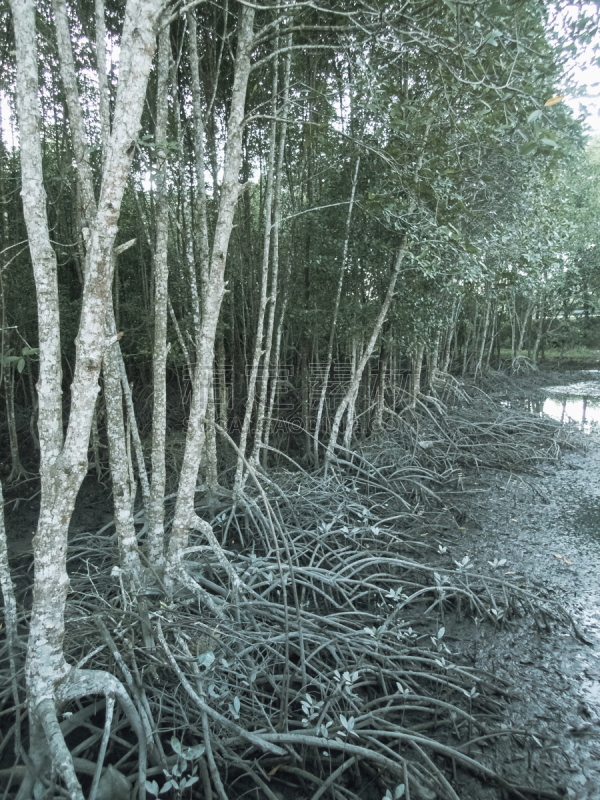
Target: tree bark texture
185, 517
64, 461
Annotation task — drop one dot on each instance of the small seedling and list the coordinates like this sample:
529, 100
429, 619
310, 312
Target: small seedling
177, 781
396, 794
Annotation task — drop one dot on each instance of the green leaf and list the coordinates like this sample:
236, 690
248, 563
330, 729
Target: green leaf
492, 38
176, 745
527, 148
499, 10
206, 659
534, 115
194, 752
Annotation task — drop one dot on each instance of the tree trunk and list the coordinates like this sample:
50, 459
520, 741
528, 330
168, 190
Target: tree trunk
540, 328
336, 309
267, 372
415, 374
260, 347
17, 470
118, 460
155, 535
10, 617
185, 516
355, 380
64, 463
433, 359
484, 331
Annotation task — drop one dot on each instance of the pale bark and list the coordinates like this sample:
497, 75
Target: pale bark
135, 435
523, 327
199, 149
63, 465
95, 438
259, 346
540, 329
209, 452
222, 381
10, 616
276, 362
513, 324
415, 375
86, 189
155, 535
351, 411
357, 373
103, 91
456, 305
185, 516
76, 124
484, 332
470, 336
119, 466
336, 309
492, 337
266, 376
433, 360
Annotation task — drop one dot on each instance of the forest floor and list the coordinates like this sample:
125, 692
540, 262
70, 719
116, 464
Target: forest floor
543, 527
547, 528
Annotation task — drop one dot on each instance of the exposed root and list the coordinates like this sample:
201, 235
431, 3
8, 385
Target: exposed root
325, 654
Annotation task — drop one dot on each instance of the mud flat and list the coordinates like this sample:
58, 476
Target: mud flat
544, 532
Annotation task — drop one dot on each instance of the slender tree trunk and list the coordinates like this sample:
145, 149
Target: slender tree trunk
95, 437
513, 325
470, 337
415, 375
384, 360
336, 309
260, 346
276, 363
135, 435
267, 372
185, 516
156, 533
540, 328
433, 360
103, 90
355, 380
118, 459
451, 335
222, 381
484, 330
17, 470
528, 312
493, 334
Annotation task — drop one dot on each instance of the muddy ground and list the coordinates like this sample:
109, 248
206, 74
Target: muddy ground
546, 528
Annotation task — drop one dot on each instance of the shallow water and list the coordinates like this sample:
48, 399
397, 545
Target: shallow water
577, 402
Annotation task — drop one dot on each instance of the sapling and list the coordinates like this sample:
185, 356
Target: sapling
177, 781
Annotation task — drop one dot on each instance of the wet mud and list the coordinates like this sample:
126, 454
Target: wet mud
546, 530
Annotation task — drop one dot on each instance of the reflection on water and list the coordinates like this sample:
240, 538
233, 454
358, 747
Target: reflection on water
578, 402
575, 402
